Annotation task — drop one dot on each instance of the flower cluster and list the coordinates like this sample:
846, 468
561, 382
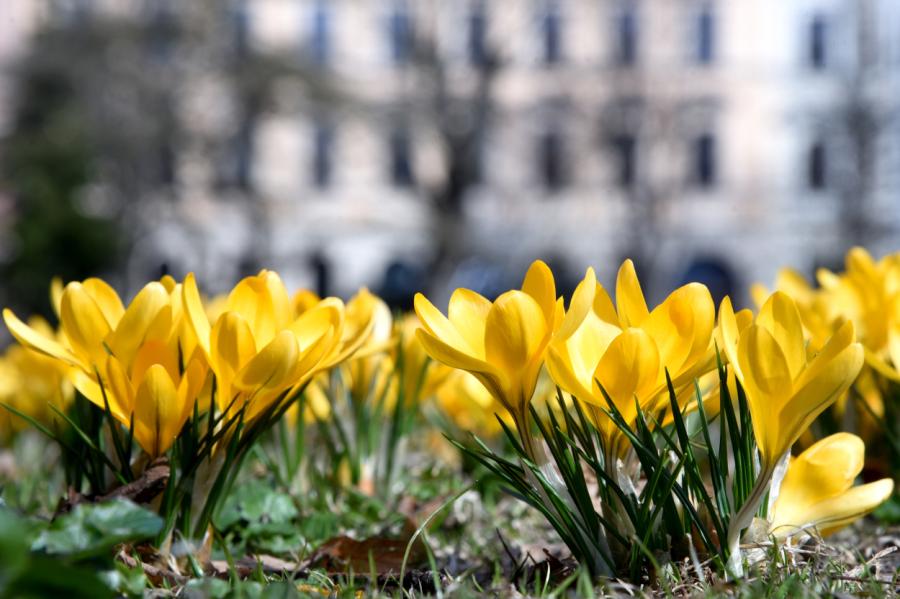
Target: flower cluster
610, 407
633, 370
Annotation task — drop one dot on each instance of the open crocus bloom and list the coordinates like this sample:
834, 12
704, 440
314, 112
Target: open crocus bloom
868, 293
627, 348
256, 348
503, 342
127, 359
818, 493
785, 389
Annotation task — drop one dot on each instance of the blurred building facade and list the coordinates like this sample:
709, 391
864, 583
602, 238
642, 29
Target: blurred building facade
709, 139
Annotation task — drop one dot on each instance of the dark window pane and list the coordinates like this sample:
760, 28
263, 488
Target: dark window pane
705, 160
552, 37
818, 32
552, 160
705, 37
478, 37
323, 141
401, 162
816, 166
627, 38
240, 23
625, 148
401, 36
167, 172
320, 42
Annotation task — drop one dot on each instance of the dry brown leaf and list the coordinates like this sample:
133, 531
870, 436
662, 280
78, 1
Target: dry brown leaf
344, 553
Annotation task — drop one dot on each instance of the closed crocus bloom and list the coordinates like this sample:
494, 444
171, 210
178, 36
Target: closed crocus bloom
502, 343
363, 327
421, 376
818, 493
160, 397
818, 313
369, 366
785, 389
257, 349
469, 406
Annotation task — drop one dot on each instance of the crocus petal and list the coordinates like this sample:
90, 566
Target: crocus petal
515, 334
539, 284
632, 308
451, 356
36, 341
467, 312
134, 324
191, 384
119, 391
780, 317
273, 367
263, 302
106, 298
158, 416
232, 345
682, 328
603, 307
440, 327
808, 402
559, 366
309, 326
728, 325
836, 513
196, 315
56, 291
766, 380
153, 352
630, 367
826, 469
84, 324
580, 306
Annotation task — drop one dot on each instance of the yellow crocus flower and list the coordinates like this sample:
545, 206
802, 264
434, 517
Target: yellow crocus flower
817, 491
469, 406
31, 382
868, 293
260, 348
786, 390
256, 347
502, 343
127, 358
627, 348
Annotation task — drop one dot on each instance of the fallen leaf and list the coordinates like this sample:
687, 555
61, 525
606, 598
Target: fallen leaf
341, 553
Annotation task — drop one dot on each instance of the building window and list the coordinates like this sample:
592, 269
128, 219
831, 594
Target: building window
401, 158
552, 160
706, 36
167, 160
478, 36
552, 30
74, 12
323, 143
320, 35
818, 33
816, 166
626, 37
704, 161
240, 24
401, 32
625, 150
